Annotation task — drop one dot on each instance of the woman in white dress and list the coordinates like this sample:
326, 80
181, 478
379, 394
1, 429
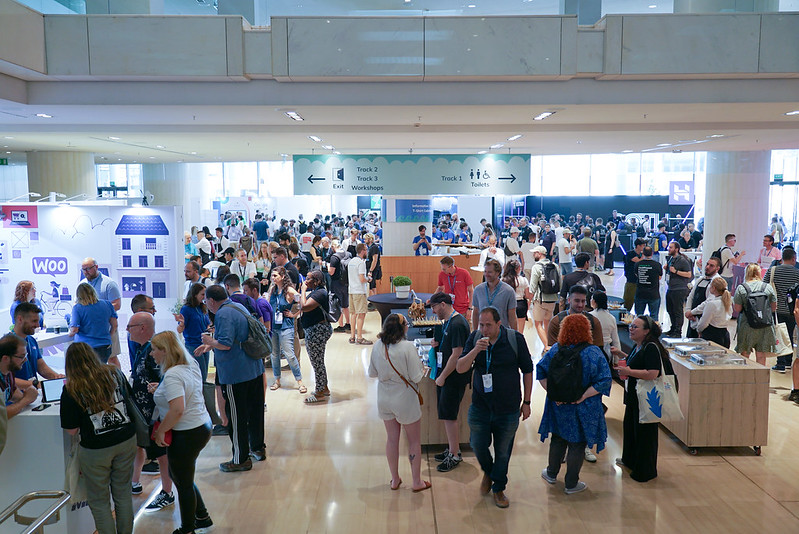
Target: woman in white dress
398, 368
610, 332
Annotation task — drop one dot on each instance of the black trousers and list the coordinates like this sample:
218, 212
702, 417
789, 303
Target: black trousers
675, 300
244, 406
574, 459
640, 446
790, 322
182, 455
717, 335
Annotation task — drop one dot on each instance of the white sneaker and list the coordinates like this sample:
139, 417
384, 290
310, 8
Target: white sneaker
590, 456
576, 489
545, 476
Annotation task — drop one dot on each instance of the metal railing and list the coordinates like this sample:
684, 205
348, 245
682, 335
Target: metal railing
36, 525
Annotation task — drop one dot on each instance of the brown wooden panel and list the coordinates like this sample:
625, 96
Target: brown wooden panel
422, 270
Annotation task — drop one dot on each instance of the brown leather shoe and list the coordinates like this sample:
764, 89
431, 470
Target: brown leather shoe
500, 500
485, 484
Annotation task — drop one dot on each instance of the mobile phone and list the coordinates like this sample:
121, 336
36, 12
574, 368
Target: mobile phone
41, 407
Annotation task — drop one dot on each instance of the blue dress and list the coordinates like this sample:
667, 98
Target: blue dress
584, 422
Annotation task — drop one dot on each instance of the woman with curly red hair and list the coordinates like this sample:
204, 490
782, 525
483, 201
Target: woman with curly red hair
577, 422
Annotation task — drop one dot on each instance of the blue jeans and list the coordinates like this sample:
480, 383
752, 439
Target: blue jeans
201, 360
654, 307
485, 426
283, 342
566, 268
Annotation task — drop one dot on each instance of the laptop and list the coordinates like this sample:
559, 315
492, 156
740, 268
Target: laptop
51, 389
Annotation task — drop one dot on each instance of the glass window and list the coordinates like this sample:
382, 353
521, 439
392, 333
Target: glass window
159, 262
125, 243
126, 261
241, 179
142, 261
276, 178
615, 174
566, 175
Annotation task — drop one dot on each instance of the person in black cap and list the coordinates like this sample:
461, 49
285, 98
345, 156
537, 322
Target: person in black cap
450, 385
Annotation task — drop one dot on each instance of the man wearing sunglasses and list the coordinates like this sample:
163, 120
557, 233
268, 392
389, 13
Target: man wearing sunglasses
12, 356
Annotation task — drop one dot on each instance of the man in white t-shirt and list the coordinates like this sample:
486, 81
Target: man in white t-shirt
566, 247
729, 257
306, 239
358, 291
526, 254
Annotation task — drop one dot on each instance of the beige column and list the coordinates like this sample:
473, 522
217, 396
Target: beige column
398, 236
736, 200
68, 173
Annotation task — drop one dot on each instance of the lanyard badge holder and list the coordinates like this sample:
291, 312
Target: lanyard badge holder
488, 378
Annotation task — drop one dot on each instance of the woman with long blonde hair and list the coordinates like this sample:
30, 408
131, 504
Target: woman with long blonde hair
185, 426
760, 340
715, 313
93, 404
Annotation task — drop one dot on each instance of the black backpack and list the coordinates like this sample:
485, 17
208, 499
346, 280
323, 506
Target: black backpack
717, 254
550, 279
757, 307
589, 283
565, 375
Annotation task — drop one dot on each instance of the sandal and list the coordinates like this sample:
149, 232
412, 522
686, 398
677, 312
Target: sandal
275, 386
314, 398
427, 485
352, 340
395, 487
363, 341
303, 389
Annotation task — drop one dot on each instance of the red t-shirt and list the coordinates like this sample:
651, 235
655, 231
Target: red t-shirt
457, 284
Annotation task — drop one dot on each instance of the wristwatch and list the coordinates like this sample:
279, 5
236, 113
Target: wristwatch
526, 403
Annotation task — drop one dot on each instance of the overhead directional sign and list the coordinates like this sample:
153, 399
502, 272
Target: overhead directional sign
487, 174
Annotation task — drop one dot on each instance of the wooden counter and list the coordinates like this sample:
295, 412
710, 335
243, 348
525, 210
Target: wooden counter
433, 432
723, 405
422, 270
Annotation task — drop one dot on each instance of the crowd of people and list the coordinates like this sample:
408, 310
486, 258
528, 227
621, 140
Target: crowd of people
293, 277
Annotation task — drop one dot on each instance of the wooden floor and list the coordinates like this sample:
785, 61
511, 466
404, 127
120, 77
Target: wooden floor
326, 472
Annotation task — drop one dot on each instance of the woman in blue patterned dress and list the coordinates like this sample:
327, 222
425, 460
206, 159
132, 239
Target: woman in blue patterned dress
575, 426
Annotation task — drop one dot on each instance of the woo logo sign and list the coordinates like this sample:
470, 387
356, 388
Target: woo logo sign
49, 266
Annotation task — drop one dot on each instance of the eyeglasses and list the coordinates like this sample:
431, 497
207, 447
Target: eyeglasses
20, 356
87, 269
134, 325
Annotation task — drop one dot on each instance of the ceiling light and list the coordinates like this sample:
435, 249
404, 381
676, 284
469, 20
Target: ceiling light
497, 145
336, 152
159, 146
543, 115
315, 139
193, 153
652, 6
471, 6
44, 115
293, 115
664, 144
789, 114
515, 137
152, 157
714, 136
9, 137
483, 152
328, 147
112, 138
284, 155
626, 151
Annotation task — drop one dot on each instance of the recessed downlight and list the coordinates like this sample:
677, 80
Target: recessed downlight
715, 136
515, 137
626, 151
789, 114
112, 138
496, 145
543, 115
315, 139
483, 152
663, 144
328, 147
293, 115
44, 115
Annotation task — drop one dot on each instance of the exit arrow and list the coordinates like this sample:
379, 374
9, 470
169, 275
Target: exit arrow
512, 178
311, 179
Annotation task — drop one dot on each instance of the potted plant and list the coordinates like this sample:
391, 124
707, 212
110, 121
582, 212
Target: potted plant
402, 286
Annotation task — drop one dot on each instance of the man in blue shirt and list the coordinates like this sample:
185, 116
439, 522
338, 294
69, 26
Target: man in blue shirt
26, 319
422, 244
108, 290
260, 228
241, 378
497, 400
447, 237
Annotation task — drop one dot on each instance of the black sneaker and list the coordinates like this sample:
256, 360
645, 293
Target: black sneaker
347, 327
202, 523
449, 463
161, 501
135, 488
340, 329
794, 396
259, 455
151, 468
219, 430
440, 457
230, 467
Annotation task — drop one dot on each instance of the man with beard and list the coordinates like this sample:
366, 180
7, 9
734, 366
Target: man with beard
12, 357
698, 294
26, 320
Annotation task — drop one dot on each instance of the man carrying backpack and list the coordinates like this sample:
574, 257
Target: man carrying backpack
580, 277
544, 285
783, 277
728, 258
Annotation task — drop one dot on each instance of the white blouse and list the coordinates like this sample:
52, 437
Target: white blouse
610, 332
712, 313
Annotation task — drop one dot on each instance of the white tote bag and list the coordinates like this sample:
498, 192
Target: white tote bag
657, 399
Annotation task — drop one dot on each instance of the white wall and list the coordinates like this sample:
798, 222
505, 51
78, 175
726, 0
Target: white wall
13, 181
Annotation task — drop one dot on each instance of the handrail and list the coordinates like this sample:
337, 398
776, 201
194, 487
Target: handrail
62, 499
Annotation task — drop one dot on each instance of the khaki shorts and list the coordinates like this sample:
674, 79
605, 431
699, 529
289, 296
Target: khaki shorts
543, 310
357, 303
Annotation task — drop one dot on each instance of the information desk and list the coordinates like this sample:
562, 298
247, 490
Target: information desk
422, 270
723, 405
35, 458
385, 302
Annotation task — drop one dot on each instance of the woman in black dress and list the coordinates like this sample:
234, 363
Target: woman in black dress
612, 241
645, 362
